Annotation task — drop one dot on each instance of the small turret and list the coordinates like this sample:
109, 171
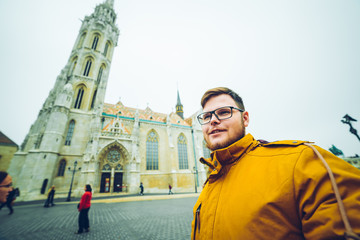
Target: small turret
179, 106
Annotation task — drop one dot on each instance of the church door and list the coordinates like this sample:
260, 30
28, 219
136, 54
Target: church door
105, 182
118, 182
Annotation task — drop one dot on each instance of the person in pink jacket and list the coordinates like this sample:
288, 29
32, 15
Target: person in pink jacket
84, 207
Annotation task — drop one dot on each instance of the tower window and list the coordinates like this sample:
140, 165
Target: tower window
62, 166
99, 75
81, 40
87, 68
182, 152
79, 98
70, 133
95, 42
73, 67
106, 48
93, 100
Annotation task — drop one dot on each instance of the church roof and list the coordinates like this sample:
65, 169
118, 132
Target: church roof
146, 114
5, 141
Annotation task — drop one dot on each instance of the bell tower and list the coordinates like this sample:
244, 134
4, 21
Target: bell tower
69, 119
90, 59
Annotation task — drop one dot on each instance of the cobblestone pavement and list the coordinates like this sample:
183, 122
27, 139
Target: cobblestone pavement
148, 218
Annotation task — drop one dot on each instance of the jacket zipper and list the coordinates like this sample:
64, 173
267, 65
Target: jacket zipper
197, 221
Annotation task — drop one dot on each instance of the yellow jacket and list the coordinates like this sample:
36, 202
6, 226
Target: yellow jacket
279, 190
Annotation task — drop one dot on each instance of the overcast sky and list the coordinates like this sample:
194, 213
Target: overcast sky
295, 63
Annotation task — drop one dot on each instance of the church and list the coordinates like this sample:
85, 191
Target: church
78, 139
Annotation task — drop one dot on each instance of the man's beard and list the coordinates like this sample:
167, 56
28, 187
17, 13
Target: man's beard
227, 143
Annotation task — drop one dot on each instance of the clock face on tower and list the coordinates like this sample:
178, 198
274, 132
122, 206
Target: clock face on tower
113, 156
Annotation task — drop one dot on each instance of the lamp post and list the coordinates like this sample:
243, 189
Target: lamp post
195, 172
348, 120
72, 179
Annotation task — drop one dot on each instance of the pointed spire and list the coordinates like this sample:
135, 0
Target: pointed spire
178, 98
179, 106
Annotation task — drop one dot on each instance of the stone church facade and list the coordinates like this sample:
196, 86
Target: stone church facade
78, 139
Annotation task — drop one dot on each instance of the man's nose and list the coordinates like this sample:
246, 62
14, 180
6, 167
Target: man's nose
214, 119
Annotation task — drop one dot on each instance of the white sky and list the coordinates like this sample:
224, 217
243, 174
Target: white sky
295, 63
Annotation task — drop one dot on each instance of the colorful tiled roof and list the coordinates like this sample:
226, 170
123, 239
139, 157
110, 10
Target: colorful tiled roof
147, 114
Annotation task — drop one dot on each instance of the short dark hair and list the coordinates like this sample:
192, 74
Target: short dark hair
88, 188
3, 175
222, 90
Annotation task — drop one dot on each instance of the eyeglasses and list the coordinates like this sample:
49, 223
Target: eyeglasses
220, 113
6, 186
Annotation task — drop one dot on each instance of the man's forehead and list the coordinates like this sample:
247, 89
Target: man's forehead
219, 101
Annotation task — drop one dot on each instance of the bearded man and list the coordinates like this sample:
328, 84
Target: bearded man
276, 190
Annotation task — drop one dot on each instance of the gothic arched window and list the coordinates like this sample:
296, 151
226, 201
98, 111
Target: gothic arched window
95, 42
87, 68
106, 168
152, 151
70, 133
73, 65
182, 152
100, 74
93, 99
79, 97
81, 41
206, 150
107, 45
118, 168
62, 166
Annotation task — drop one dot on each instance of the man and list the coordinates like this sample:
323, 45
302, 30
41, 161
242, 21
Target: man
260, 190
5, 186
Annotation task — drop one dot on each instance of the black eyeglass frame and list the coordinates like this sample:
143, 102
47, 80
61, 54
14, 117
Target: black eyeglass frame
6, 186
213, 113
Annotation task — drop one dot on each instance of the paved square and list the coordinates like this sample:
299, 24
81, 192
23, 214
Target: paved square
153, 219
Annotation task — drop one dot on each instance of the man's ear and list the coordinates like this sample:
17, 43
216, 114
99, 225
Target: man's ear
246, 118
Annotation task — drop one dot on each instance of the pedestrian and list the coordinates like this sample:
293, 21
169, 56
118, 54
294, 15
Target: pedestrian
141, 188
170, 187
269, 190
5, 186
9, 201
17, 192
50, 197
83, 208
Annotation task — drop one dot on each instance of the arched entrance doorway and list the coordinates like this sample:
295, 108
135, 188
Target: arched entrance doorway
112, 164
118, 179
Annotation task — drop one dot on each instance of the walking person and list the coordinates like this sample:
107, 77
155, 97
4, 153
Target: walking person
170, 187
141, 188
50, 199
83, 208
9, 201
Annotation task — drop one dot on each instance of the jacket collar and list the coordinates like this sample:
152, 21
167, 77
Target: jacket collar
230, 154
